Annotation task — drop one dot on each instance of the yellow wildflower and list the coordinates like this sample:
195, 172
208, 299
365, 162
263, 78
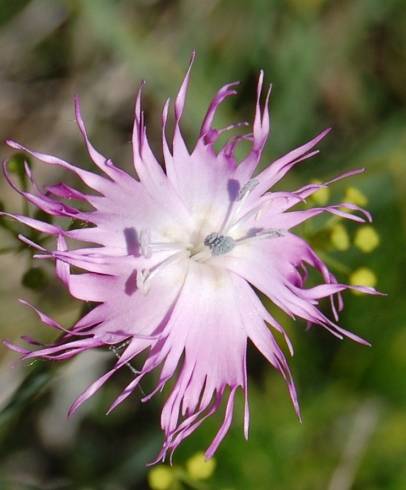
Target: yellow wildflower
355, 196
161, 478
366, 238
322, 196
200, 468
363, 277
339, 237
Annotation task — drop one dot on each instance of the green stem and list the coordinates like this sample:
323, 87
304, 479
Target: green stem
336, 264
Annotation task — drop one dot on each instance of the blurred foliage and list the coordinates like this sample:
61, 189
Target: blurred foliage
332, 63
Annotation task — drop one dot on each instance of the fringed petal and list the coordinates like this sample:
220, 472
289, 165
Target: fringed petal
161, 287
261, 129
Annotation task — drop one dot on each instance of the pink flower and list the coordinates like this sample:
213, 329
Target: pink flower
173, 258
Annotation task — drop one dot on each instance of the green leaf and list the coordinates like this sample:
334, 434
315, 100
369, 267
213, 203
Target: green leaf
43, 216
32, 385
16, 165
35, 278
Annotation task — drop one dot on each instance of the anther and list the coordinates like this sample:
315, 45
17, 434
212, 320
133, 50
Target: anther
219, 244
262, 235
148, 247
273, 233
247, 188
144, 276
235, 206
145, 243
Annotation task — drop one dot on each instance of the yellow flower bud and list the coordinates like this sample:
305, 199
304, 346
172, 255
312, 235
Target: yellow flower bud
339, 237
366, 238
161, 478
363, 277
321, 196
199, 468
355, 196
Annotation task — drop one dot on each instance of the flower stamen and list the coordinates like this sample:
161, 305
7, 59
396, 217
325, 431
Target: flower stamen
148, 247
144, 276
255, 212
246, 189
234, 209
263, 235
219, 244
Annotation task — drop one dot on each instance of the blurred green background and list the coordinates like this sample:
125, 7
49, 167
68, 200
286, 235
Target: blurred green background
332, 63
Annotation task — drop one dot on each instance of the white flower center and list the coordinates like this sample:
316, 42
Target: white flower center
214, 244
